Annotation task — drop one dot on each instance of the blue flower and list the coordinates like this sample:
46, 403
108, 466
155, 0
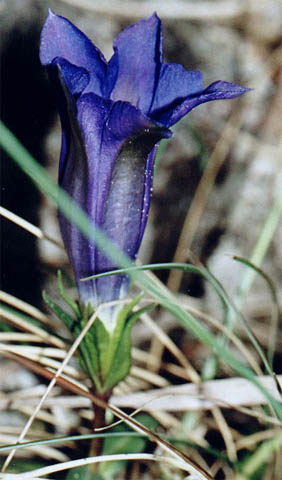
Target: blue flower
113, 116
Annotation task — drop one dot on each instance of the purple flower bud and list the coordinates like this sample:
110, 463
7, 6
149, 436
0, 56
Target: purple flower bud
113, 116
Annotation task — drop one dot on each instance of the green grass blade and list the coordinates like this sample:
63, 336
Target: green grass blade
276, 309
271, 223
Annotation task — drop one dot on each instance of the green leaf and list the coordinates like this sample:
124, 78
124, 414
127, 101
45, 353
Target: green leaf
107, 343
134, 316
89, 357
99, 347
59, 312
276, 310
106, 356
87, 352
121, 360
127, 309
69, 301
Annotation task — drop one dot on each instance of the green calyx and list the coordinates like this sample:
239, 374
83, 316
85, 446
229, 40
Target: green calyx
104, 355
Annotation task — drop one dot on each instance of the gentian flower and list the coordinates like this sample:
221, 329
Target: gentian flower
113, 116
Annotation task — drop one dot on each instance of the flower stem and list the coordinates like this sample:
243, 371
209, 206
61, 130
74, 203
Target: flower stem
96, 445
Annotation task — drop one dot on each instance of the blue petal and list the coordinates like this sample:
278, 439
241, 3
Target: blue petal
135, 65
126, 207
69, 82
73, 175
174, 85
60, 38
147, 191
216, 91
117, 146
105, 173
128, 121
75, 78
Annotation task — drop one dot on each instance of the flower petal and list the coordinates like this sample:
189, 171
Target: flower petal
73, 177
124, 216
216, 91
147, 191
75, 78
106, 126
117, 147
113, 117
174, 85
106, 154
135, 65
69, 81
60, 38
